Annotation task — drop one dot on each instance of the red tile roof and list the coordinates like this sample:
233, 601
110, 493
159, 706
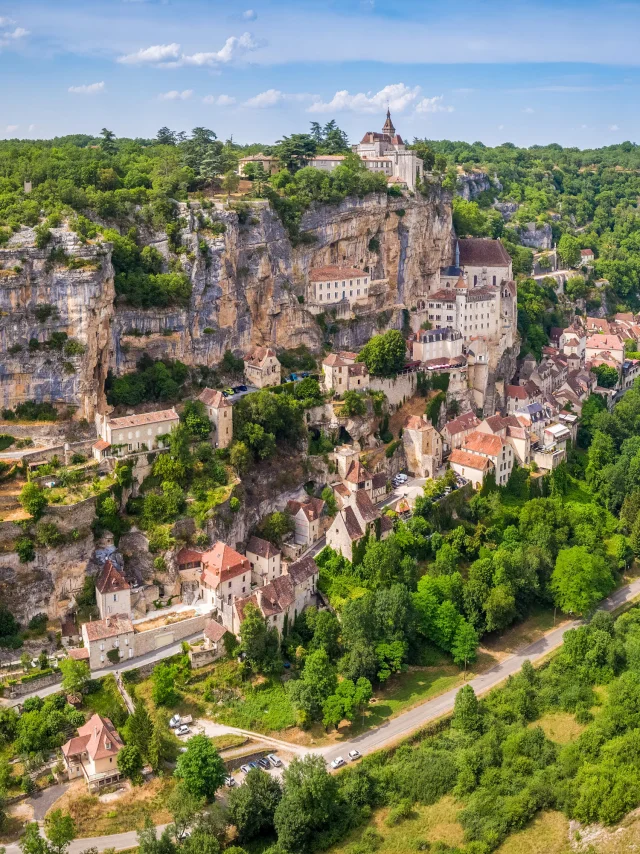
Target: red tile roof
258, 356
262, 548
414, 422
472, 461
111, 580
354, 531
312, 508
98, 737
357, 473
481, 252
484, 443
517, 391
213, 397
467, 421
187, 555
117, 624
214, 630
222, 563
79, 653
101, 445
144, 418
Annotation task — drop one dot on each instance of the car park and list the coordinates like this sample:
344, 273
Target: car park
274, 760
338, 762
245, 769
353, 755
264, 763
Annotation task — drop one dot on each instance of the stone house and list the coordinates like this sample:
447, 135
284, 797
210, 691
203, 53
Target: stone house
357, 518
264, 559
102, 636
213, 634
307, 516
342, 373
495, 449
282, 599
470, 466
262, 368
335, 283
444, 343
485, 262
93, 753
509, 428
456, 431
599, 346
586, 257
423, 447
220, 413
378, 487
136, 432
269, 163
225, 576
113, 592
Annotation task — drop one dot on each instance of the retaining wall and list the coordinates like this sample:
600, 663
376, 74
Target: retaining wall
153, 639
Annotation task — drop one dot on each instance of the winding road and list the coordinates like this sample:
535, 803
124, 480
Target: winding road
395, 729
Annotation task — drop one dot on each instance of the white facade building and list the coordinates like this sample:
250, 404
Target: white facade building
137, 432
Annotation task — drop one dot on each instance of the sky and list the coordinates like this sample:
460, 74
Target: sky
554, 71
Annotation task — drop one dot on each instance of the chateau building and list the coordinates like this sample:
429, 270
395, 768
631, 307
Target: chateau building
220, 413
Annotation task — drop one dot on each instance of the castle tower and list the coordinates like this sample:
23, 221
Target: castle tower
388, 125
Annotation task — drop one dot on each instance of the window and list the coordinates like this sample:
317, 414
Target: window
229, 584
494, 280
475, 280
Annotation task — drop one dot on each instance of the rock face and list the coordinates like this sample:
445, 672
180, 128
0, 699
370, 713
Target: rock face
536, 236
472, 184
39, 297
249, 285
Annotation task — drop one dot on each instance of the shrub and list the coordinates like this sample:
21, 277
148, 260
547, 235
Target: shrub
113, 655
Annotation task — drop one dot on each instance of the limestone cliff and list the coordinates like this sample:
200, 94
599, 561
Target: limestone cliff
39, 297
249, 284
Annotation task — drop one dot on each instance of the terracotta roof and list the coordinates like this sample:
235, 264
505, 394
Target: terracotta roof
472, 461
334, 273
446, 294
517, 432
517, 391
586, 252
532, 389
222, 563
347, 354
354, 531
358, 370
257, 157
117, 624
495, 423
101, 445
327, 157
357, 473
312, 508
187, 555
98, 737
481, 252
213, 397
214, 630
262, 548
605, 342
111, 580
79, 653
303, 569
277, 596
241, 603
463, 422
512, 288
334, 361
415, 422
484, 443
258, 356
143, 418
386, 524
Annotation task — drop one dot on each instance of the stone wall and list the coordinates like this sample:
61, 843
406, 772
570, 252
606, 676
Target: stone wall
22, 688
397, 389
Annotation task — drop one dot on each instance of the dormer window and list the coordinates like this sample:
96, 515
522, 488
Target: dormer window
107, 744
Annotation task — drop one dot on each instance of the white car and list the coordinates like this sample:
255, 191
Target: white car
175, 721
403, 478
230, 782
183, 730
245, 769
273, 759
338, 762
353, 755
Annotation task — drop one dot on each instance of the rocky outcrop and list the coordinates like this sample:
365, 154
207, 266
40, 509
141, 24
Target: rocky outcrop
507, 209
249, 284
472, 184
536, 235
40, 296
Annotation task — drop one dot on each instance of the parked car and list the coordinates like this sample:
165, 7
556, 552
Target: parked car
305, 374
293, 377
230, 782
403, 478
245, 769
274, 760
242, 388
175, 721
264, 763
253, 765
227, 392
183, 730
353, 755
338, 762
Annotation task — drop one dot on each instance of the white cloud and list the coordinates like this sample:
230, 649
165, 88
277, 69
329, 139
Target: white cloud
397, 96
433, 105
154, 55
170, 55
528, 110
174, 95
18, 33
614, 127
12, 128
6, 22
219, 100
31, 128
273, 97
88, 88
249, 15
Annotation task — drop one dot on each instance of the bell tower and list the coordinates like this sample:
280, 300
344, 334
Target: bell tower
388, 125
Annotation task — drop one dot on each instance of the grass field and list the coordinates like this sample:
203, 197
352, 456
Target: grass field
560, 727
129, 812
106, 701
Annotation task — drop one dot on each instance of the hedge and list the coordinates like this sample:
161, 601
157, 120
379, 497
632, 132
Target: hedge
38, 675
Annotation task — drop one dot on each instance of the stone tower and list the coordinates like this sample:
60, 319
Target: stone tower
388, 125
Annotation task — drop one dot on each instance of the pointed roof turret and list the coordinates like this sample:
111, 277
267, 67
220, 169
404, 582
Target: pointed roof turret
388, 125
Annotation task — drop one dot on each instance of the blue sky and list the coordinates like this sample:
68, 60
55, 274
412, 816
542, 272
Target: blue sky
562, 71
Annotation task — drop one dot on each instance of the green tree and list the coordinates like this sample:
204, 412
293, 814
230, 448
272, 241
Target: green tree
384, 355
580, 580
295, 151
240, 457
75, 675
310, 807
569, 250
469, 220
465, 644
252, 806
201, 767
184, 807
276, 526
138, 729
163, 679
467, 715
194, 415
60, 830
607, 375
259, 641
33, 500
230, 183
130, 763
